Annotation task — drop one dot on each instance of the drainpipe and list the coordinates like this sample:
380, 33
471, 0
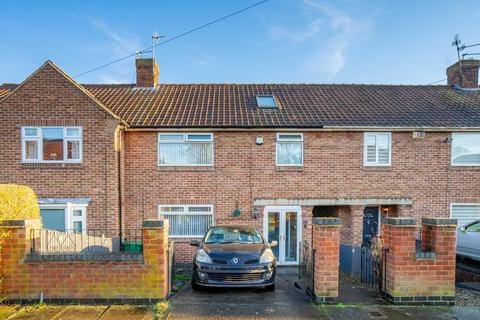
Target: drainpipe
118, 149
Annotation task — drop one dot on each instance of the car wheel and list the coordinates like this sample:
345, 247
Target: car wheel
270, 287
196, 287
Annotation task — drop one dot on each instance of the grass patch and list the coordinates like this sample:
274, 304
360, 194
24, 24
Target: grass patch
160, 310
184, 277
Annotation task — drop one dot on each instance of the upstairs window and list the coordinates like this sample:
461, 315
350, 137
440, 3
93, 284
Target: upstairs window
377, 148
289, 149
187, 220
466, 149
266, 102
185, 149
51, 144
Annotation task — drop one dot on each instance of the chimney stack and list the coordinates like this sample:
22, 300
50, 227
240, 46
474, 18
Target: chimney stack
463, 73
147, 73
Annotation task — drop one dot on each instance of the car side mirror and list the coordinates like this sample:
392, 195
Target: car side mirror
274, 243
195, 243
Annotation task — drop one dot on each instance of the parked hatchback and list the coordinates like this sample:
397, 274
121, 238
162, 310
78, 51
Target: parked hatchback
233, 256
468, 240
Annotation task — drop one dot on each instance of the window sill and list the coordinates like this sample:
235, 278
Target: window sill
289, 168
185, 168
466, 168
51, 165
378, 168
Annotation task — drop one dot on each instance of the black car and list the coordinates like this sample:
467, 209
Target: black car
233, 256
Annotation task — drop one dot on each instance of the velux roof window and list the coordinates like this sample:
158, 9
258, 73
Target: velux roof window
266, 102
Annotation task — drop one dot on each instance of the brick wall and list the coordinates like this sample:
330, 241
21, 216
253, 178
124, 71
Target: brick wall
326, 243
414, 276
83, 281
49, 99
333, 169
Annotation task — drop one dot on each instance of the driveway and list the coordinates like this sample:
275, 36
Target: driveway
286, 302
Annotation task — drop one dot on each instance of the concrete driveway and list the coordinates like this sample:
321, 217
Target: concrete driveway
286, 302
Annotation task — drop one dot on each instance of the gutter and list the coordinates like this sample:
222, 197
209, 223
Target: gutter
303, 129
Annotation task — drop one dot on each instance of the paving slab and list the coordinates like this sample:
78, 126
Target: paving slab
38, 313
128, 312
82, 313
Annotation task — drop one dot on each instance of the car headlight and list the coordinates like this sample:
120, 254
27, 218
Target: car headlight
267, 256
203, 257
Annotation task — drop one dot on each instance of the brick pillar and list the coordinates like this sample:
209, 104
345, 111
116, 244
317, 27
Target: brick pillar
155, 253
326, 243
414, 276
357, 225
17, 243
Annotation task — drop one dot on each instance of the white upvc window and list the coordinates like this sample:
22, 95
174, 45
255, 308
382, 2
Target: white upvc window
466, 149
64, 217
185, 149
289, 151
52, 144
187, 221
377, 148
465, 212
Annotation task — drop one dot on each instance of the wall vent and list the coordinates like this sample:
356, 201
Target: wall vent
418, 134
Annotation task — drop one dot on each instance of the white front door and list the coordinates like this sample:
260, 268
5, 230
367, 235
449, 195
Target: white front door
284, 225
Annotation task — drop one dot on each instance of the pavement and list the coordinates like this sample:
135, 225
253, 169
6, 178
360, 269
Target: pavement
58, 312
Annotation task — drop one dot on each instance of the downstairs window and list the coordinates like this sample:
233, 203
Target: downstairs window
187, 221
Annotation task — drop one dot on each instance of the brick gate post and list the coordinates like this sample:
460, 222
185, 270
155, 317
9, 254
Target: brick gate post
326, 243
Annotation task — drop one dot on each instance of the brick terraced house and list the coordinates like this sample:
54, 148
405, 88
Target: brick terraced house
270, 155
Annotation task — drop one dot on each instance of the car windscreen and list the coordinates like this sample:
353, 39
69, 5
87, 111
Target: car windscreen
233, 235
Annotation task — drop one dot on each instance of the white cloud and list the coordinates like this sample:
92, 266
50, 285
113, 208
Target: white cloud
301, 35
330, 33
119, 43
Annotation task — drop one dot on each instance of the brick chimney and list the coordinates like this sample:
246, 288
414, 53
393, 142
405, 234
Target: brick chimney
147, 73
468, 78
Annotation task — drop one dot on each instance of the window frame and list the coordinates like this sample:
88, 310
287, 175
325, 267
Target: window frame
453, 134
278, 140
366, 163
186, 212
39, 139
260, 106
68, 211
185, 139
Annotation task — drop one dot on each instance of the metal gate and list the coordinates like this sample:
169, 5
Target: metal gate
368, 267
372, 269
306, 268
171, 267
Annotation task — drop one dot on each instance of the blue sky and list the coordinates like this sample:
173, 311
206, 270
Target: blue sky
302, 41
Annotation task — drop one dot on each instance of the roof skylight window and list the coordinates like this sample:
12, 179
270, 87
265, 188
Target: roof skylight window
266, 102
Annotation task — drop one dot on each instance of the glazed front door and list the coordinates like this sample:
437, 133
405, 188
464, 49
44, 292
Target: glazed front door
283, 224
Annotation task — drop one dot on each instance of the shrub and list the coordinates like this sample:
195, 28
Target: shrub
18, 203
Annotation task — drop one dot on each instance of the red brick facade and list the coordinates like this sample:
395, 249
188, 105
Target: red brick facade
48, 98
244, 172
83, 280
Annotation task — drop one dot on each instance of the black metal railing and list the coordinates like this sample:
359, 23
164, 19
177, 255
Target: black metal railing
85, 241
